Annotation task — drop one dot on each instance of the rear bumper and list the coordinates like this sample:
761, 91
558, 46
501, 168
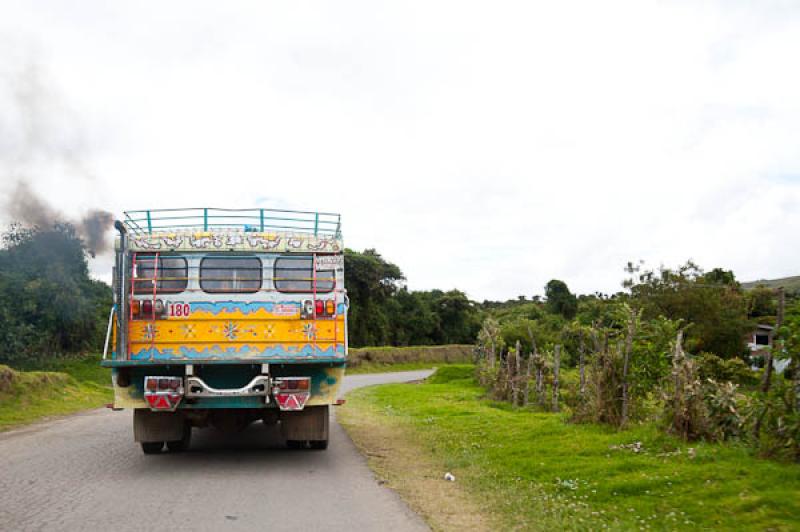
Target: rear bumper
251, 392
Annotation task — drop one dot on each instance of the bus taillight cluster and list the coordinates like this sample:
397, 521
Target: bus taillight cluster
324, 308
147, 308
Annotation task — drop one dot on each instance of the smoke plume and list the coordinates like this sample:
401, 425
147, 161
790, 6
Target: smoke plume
26, 207
41, 139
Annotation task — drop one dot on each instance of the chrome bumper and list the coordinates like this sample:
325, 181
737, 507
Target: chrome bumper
258, 387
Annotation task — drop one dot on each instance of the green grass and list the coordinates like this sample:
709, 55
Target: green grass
536, 471
68, 386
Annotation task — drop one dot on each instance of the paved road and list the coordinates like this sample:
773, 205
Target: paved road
86, 473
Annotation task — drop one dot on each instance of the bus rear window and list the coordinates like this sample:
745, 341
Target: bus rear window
239, 275
171, 274
295, 274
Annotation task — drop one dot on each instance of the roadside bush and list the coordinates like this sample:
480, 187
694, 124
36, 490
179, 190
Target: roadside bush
724, 407
780, 432
695, 409
710, 366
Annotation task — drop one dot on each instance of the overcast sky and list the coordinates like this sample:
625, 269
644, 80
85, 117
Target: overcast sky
484, 146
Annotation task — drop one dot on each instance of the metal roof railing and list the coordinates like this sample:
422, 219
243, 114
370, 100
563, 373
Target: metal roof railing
210, 219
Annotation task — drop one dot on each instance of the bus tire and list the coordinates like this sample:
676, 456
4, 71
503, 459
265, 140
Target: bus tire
152, 447
319, 445
178, 446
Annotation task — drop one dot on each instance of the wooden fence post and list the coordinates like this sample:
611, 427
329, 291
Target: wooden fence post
581, 365
556, 367
528, 379
626, 363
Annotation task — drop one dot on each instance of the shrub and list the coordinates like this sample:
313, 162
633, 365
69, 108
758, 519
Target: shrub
702, 409
780, 431
710, 366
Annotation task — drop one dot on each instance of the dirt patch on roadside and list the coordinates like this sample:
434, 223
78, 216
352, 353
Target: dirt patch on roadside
402, 464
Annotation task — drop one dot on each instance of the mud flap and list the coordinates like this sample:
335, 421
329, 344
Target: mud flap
309, 424
151, 426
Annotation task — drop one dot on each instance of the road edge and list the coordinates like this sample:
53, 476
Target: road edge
400, 463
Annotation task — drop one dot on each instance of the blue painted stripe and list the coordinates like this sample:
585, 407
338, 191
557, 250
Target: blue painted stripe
245, 352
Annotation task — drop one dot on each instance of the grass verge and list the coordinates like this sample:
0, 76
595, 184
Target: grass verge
69, 386
519, 469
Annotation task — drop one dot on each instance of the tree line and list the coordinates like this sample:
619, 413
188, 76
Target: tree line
50, 305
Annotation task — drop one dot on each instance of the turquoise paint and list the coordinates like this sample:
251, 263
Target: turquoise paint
219, 307
307, 351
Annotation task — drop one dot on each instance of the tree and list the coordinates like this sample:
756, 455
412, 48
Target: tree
48, 303
371, 281
560, 300
761, 302
712, 305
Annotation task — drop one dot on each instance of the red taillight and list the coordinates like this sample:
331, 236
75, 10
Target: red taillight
319, 307
147, 307
291, 393
163, 393
292, 384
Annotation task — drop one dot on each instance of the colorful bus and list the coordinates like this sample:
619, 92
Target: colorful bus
227, 316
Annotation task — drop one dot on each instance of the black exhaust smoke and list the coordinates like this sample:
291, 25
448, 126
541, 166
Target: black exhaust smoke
24, 206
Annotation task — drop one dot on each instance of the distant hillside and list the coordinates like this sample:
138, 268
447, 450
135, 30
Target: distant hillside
791, 284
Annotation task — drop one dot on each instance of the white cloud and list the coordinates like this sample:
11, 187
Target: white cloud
489, 147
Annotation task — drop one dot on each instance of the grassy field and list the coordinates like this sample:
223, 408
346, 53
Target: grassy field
529, 470
62, 387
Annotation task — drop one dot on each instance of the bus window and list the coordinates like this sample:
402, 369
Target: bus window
239, 275
294, 274
172, 274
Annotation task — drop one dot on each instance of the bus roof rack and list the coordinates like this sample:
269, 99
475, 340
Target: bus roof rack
247, 220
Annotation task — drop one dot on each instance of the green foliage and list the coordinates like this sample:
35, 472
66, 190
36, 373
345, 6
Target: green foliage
382, 312
560, 300
546, 332
370, 282
710, 366
701, 409
761, 302
48, 303
712, 304
780, 432
789, 333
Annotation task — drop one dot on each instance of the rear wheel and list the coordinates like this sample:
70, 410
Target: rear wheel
152, 447
182, 444
320, 445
